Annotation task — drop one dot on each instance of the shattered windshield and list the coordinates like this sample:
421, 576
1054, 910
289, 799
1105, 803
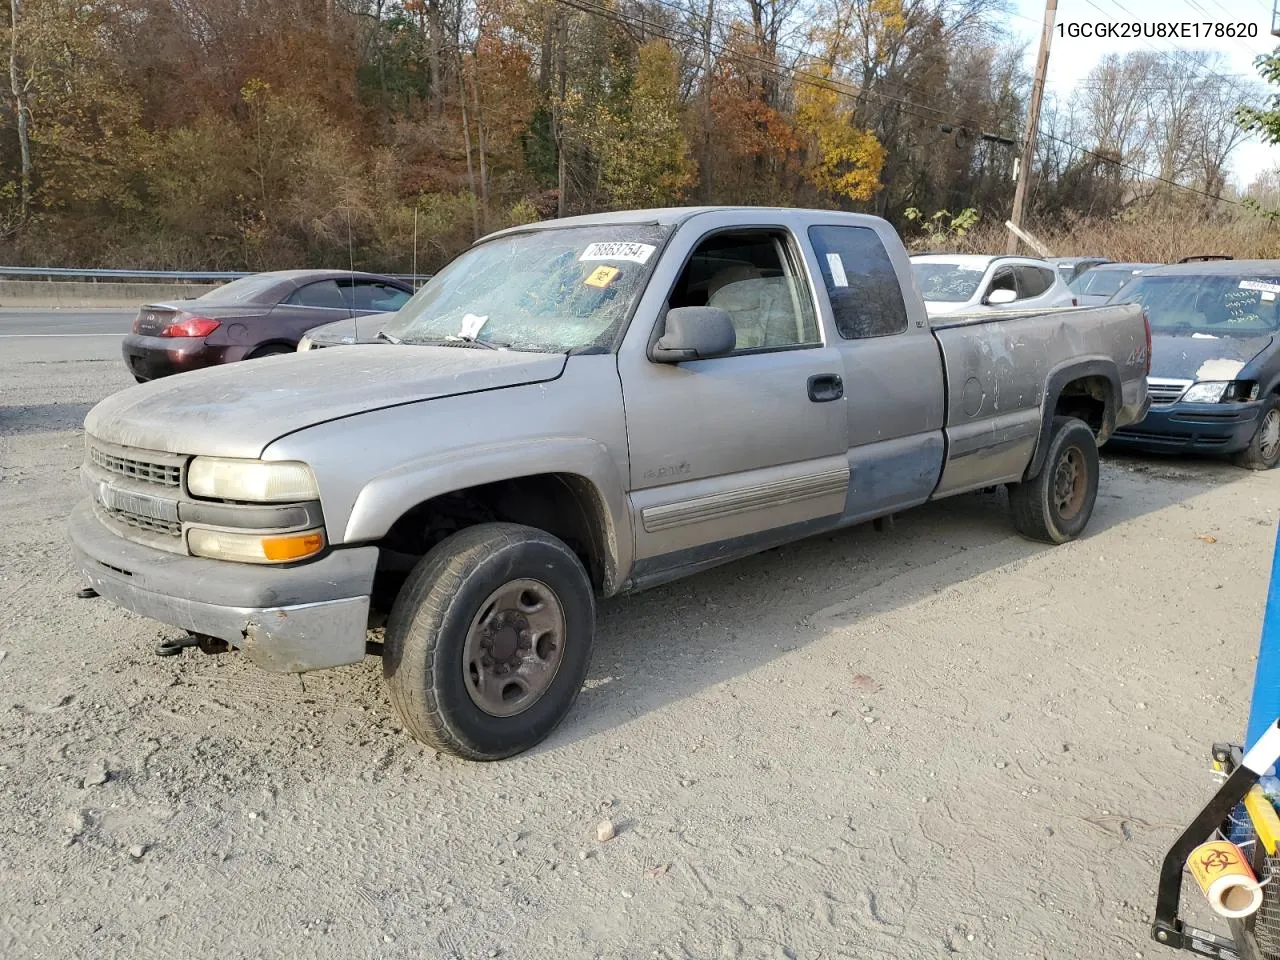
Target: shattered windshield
559, 290
1207, 306
947, 282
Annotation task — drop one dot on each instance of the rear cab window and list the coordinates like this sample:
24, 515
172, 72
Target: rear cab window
862, 286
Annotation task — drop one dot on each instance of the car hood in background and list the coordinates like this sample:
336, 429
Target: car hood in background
351, 330
1187, 357
239, 409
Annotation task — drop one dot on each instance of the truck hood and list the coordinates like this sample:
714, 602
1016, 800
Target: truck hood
237, 410
1186, 357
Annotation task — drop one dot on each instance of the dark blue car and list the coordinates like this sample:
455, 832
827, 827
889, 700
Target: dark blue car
1215, 360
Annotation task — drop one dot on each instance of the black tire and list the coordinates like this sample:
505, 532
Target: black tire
1263, 451
270, 350
1056, 505
141, 379
442, 604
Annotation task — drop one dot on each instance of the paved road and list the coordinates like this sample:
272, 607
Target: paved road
65, 322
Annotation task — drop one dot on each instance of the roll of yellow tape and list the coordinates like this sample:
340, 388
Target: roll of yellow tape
1226, 878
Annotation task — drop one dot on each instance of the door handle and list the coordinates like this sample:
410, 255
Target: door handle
825, 387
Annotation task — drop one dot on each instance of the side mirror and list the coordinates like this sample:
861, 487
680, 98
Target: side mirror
695, 333
998, 298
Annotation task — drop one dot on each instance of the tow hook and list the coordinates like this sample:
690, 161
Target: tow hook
206, 643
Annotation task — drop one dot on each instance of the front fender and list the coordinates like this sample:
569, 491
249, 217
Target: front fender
387, 497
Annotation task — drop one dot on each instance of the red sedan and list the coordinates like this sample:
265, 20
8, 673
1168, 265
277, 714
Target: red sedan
255, 316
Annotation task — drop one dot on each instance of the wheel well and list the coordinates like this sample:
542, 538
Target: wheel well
563, 505
1089, 399
268, 345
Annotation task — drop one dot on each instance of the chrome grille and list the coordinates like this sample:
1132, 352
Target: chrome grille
1163, 392
164, 474
140, 522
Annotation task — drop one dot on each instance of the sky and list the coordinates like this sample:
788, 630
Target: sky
1071, 58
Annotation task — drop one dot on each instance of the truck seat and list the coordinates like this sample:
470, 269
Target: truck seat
761, 309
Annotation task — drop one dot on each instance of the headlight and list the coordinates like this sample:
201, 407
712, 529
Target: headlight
1221, 391
254, 547
257, 481
1208, 391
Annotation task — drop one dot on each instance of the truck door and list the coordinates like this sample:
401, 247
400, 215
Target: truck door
732, 453
894, 392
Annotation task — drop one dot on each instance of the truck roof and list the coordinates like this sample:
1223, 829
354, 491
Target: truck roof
674, 216
1216, 268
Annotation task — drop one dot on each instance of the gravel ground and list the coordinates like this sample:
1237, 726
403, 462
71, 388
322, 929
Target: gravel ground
938, 740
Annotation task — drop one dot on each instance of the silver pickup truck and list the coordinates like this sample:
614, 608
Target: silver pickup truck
575, 409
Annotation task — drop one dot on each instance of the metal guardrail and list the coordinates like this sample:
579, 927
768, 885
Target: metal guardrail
171, 276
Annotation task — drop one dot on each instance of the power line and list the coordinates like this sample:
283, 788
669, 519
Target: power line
808, 79
1139, 170
1194, 4
1167, 53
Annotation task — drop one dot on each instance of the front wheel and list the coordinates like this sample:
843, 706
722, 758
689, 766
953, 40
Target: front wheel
1263, 451
1055, 506
489, 640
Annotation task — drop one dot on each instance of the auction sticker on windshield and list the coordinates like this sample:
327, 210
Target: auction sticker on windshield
618, 250
601, 277
1262, 286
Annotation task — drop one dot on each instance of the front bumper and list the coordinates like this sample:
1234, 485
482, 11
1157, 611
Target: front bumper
150, 358
1193, 427
308, 616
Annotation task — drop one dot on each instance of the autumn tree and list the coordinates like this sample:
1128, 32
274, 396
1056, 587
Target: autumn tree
639, 135
842, 160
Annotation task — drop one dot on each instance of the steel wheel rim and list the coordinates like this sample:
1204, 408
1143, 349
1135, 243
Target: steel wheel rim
1069, 483
514, 647
1269, 438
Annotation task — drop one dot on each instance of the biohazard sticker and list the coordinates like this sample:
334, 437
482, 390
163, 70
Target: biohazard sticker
601, 277
618, 250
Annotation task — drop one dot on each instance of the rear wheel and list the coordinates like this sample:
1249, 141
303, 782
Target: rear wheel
1263, 451
1056, 505
489, 641
271, 350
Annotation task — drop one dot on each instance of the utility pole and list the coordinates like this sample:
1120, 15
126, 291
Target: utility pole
1033, 123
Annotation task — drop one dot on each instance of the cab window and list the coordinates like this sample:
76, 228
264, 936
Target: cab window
752, 276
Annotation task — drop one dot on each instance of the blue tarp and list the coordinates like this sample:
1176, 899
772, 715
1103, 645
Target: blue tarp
1265, 707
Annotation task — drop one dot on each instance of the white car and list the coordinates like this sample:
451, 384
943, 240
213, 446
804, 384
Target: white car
968, 283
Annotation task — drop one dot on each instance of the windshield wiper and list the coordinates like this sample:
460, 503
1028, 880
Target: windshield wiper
455, 341
382, 335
